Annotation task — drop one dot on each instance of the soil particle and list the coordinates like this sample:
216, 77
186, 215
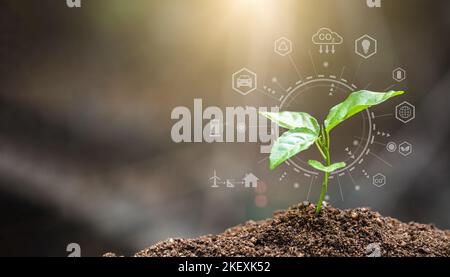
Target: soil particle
297, 231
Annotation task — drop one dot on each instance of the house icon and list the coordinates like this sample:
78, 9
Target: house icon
250, 180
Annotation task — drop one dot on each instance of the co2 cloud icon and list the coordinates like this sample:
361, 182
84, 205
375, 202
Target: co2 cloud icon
325, 37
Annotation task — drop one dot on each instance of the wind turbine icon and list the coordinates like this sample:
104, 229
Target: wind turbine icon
215, 178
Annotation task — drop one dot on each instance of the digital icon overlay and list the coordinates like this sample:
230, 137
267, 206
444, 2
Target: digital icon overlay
244, 81
405, 148
379, 180
399, 74
405, 112
283, 46
327, 40
366, 46
248, 181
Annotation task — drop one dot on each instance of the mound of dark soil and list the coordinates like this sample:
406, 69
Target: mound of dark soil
299, 232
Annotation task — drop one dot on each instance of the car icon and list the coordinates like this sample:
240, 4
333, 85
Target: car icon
244, 81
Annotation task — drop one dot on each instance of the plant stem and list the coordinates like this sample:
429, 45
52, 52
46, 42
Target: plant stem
328, 143
326, 149
320, 150
322, 194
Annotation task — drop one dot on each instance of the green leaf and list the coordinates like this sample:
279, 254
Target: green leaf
319, 166
289, 144
356, 102
294, 120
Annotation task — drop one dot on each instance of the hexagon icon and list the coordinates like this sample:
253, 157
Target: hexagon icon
283, 46
399, 74
405, 112
379, 180
405, 148
366, 46
244, 81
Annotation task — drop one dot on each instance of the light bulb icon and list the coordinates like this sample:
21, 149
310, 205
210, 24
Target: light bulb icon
366, 46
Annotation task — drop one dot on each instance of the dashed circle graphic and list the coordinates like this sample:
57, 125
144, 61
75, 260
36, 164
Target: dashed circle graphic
322, 79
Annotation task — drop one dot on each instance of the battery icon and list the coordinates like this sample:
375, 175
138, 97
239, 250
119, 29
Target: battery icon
399, 74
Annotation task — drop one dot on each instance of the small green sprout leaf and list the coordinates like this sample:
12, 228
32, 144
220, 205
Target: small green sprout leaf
319, 166
289, 144
304, 130
293, 120
356, 102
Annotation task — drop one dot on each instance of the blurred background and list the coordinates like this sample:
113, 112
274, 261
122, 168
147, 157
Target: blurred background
86, 96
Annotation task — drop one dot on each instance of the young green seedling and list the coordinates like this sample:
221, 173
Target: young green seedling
303, 130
